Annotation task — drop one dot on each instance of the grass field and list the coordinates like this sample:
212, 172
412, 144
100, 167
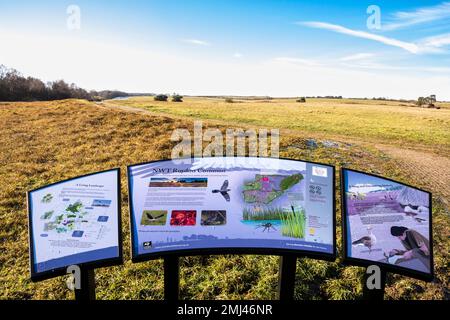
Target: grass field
369, 120
43, 142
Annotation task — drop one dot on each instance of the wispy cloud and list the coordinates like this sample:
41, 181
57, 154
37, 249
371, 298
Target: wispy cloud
408, 46
432, 44
403, 19
196, 42
373, 65
437, 41
357, 57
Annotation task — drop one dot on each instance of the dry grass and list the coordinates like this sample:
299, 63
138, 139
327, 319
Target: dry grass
44, 142
389, 121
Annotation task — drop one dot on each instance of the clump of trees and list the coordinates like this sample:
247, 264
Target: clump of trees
427, 102
15, 87
301, 99
327, 97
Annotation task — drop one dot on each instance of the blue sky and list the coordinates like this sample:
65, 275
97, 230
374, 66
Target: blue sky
278, 48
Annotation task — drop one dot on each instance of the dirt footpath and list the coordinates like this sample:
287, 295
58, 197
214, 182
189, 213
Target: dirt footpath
431, 169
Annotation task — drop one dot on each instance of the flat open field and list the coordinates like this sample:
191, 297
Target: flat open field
372, 121
418, 138
43, 142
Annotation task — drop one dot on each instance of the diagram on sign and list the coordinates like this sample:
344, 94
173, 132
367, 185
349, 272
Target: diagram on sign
75, 218
232, 202
269, 207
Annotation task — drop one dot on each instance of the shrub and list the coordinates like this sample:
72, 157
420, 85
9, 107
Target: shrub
177, 98
229, 100
161, 97
301, 99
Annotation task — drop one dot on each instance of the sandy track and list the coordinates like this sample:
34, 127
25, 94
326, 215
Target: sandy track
432, 170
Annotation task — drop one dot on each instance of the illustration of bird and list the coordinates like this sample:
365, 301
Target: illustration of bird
410, 211
151, 217
368, 241
223, 190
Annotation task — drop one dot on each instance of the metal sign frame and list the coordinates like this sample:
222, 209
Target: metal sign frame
231, 250
384, 266
39, 276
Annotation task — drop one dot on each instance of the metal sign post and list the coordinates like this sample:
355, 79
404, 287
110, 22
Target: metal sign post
86, 292
171, 278
286, 278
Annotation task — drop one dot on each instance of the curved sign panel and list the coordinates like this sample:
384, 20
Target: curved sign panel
387, 223
226, 204
75, 222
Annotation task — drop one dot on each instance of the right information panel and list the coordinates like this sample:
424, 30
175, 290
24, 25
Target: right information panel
387, 222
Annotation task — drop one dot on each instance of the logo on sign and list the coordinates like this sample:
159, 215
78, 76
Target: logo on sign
319, 172
147, 245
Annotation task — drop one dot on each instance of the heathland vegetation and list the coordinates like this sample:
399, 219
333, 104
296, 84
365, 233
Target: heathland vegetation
44, 142
352, 120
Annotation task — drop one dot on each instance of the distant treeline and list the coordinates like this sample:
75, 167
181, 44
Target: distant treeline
15, 87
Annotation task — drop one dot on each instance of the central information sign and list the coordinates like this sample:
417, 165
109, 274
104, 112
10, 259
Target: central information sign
232, 204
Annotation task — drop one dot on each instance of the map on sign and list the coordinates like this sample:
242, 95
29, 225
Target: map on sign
266, 188
76, 218
74, 221
231, 202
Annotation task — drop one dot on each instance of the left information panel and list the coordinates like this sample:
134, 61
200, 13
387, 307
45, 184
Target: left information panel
75, 222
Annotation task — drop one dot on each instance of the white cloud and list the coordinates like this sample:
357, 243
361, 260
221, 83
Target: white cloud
237, 55
357, 57
373, 65
196, 42
427, 45
405, 19
437, 41
408, 46
93, 64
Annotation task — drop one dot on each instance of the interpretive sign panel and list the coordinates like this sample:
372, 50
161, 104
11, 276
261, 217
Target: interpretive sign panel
387, 223
76, 221
232, 204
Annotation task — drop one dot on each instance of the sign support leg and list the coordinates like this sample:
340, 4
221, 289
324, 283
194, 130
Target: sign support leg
375, 294
87, 281
171, 278
286, 278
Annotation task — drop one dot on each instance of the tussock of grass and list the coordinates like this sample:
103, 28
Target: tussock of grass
262, 214
293, 224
